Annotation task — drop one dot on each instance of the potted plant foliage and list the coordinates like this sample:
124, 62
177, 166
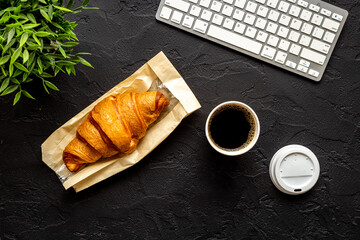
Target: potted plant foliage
36, 43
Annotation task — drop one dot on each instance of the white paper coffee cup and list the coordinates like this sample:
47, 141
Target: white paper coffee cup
253, 133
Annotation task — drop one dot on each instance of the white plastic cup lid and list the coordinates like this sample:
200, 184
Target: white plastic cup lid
294, 169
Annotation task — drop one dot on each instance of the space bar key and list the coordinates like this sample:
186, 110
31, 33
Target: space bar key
234, 39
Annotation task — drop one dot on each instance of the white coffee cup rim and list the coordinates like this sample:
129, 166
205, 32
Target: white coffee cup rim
240, 151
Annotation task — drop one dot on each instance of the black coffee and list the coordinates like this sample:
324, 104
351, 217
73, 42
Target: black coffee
230, 128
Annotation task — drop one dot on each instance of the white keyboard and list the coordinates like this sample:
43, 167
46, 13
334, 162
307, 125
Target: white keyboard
296, 35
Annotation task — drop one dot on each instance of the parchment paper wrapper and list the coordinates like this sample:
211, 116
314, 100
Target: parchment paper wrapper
157, 74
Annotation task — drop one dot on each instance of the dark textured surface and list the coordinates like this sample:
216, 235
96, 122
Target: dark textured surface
184, 189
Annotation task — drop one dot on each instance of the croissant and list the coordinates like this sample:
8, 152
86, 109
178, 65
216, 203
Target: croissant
115, 125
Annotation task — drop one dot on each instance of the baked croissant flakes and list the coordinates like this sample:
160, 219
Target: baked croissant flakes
115, 125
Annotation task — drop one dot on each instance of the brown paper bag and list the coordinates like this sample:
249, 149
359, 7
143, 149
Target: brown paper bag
157, 74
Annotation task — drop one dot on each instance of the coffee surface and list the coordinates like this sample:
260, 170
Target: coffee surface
230, 128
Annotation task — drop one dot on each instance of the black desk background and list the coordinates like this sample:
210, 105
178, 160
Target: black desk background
184, 189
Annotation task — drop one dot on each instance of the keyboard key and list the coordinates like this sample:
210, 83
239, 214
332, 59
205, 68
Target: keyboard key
337, 17
204, 3
195, 11
176, 17
238, 14
283, 6
307, 28
294, 11
240, 3
283, 32
305, 40
313, 73
304, 63
280, 57
234, 39
262, 36
294, 36
206, 15
314, 8
273, 40
284, 45
229, 23
194, 1
302, 68
273, 15
200, 26
271, 27
313, 56
260, 23
250, 32
239, 28
320, 46
295, 49
305, 15
251, 7
293, 1
331, 25
284, 20
262, 11
303, 3
295, 24
249, 19
178, 4
272, 3
261, 1
188, 21
325, 12
165, 12
216, 6
318, 32
217, 19
229, 1
290, 64
329, 37
227, 10
316, 19
268, 52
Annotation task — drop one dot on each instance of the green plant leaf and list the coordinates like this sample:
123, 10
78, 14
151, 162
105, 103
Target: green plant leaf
36, 39
42, 1
86, 2
17, 10
69, 5
45, 15
15, 55
50, 11
40, 65
3, 71
62, 52
70, 44
10, 35
26, 94
4, 84
51, 85
84, 62
9, 90
57, 25
25, 56
14, 80
63, 9
4, 59
83, 53
31, 25
17, 97
25, 76
42, 34
11, 70
31, 18
17, 73
21, 67
24, 38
